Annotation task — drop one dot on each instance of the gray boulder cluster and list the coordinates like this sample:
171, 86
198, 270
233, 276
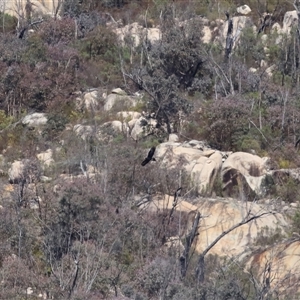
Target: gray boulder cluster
240, 174
128, 121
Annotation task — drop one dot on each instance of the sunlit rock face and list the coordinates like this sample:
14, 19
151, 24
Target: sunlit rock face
39, 7
278, 266
218, 216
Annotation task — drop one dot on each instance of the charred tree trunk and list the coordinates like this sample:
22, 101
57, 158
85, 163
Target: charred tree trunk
200, 271
229, 37
188, 243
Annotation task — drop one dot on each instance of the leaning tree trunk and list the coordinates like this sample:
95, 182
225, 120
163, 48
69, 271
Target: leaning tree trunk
297, 58
188, 243
229, 38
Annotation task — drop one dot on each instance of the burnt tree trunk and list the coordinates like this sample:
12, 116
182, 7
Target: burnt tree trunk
184, 258
229, 38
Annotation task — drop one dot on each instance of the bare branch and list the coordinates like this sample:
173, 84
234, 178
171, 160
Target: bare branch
247, 219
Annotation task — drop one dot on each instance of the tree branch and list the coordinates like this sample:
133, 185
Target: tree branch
201, 265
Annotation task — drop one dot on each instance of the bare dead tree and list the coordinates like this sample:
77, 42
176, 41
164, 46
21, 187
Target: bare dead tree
229, 37
23, 30
189, 239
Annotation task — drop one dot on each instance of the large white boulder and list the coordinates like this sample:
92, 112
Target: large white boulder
290, 19
242, 168
137, 33
44, 7
129, 118
173, 138
239, 23
83, 131
140, 127
129, 115
219, 215
46, 158
91, 100
222, 214
119, 91
199, 161
35, 120
153, 34
205, 171
16, 171
171, 153
117, 126
123, 101
244, 9
207, 34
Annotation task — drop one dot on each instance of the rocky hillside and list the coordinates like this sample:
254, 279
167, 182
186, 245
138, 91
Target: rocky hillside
149, 150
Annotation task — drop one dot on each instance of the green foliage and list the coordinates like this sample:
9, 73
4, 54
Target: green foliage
250, 47
56, 31
36, 50
71, 7
139, 107
4, 120
249, 143
8, 23
55, 125
193, 130
288, 190
268, 185
225, 123
284, 163
296, 222
217, 187
119, 138
151, 142
100, 53
273, 52
101, 44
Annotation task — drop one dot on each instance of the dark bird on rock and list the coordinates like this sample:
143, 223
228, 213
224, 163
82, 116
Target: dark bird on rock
149, 157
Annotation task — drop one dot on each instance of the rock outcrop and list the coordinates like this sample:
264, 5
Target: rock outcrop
246, 171
46, 158
200, 161
83, 131
45, 7
35, 120
278, 265
219, 215
239, 23
88, 101
244, 9
137, 33
119, 100
16, 171
140, 127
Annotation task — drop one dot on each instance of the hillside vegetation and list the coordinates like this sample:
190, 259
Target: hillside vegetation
77, 228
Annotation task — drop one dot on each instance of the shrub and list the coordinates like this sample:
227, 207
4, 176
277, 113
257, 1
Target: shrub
288, 191
296, 222
8, 23
55, 125
225, 123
